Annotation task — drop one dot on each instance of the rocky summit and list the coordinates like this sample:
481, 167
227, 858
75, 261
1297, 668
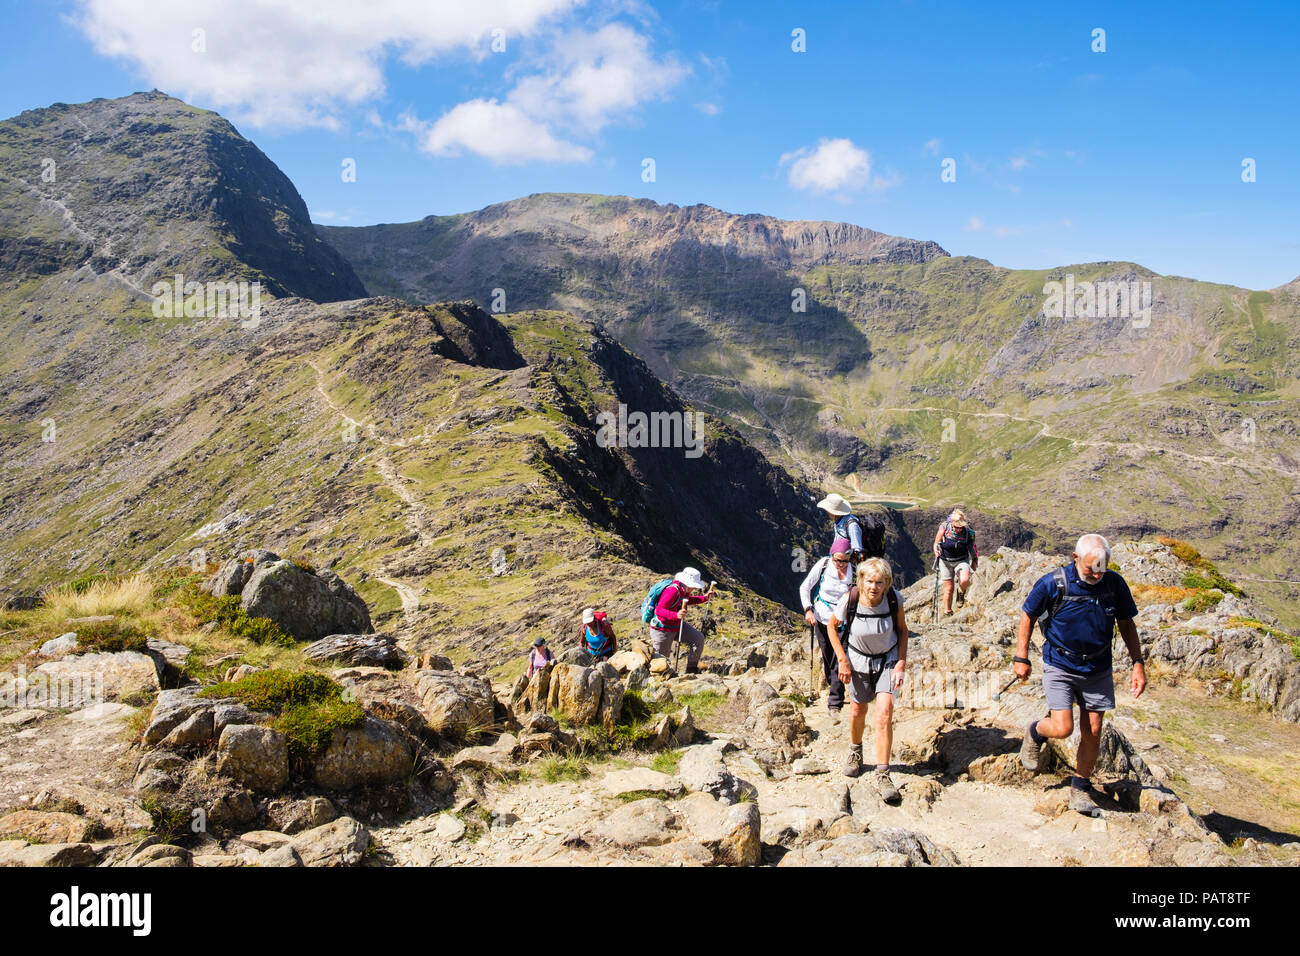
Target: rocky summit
272, 567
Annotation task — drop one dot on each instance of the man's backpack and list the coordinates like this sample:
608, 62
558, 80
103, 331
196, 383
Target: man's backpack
1061, 595
652, 601
873, 536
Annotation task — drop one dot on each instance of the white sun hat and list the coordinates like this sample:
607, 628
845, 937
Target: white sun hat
835, 504
689, 577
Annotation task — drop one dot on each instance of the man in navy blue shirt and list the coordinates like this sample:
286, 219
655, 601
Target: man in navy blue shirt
1083, 602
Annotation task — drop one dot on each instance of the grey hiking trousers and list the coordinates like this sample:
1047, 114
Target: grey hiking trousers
662, 642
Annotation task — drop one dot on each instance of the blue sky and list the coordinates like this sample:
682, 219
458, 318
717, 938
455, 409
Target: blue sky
1061, 154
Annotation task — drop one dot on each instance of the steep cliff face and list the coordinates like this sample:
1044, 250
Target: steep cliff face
144, 187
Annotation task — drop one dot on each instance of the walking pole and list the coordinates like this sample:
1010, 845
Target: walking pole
934, 603
813, 688
681, 623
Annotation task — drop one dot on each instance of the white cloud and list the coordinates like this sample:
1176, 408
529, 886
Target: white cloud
590, 78
974, 224
1019, 162
709, 109
932, 146
835, 164
294, 64
584, 81
500, 132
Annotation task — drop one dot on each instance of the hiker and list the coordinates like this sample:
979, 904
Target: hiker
851, 534
956, 556
872, 666
664, 627
597, 637
827, 582
539, 657
1082, 601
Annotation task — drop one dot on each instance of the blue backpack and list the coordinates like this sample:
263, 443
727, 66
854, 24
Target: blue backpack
652, 601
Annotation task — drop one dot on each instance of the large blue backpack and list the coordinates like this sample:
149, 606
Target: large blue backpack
652, 601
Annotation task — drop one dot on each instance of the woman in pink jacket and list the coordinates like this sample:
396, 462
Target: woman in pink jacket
668, 623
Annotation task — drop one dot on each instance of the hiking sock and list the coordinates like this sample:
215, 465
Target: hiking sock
1033, 732
1081, 783
856, 748
882, 768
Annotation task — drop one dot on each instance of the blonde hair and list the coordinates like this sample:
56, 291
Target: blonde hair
880, 566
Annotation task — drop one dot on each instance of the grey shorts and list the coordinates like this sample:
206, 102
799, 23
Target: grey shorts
1063, 689
947, 571
863, 688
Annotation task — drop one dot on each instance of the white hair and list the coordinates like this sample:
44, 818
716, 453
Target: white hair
1091, 544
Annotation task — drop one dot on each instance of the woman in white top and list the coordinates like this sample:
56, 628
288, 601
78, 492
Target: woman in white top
872, 658
831, 577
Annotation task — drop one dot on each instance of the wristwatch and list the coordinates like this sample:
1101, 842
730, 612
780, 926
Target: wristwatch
1021, 660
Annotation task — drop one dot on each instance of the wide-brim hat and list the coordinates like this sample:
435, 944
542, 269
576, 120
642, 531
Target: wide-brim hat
835, 504
689, 577
588, 615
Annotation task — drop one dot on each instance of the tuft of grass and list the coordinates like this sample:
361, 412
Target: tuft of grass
553, 769
115, 635
170, 819
274, 690
667, 761
308, 706
632, 796
1202, 600
1145, 594
798, 698
129, 596
705, 703
1208, 576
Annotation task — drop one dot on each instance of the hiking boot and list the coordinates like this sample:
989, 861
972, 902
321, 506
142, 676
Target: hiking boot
961, 598
692, 668
885, 787
1031, 754
853, 766
1081, 801
834, 714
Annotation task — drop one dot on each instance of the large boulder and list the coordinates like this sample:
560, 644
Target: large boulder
702, 770
340, 843
640, 823
256, 757
586, 695
359, 650
730, 831
294, 816
88, 679
46, 826
372, 753
455, 705
576, 693
536, 690
307, 606
230, 578
385, 694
